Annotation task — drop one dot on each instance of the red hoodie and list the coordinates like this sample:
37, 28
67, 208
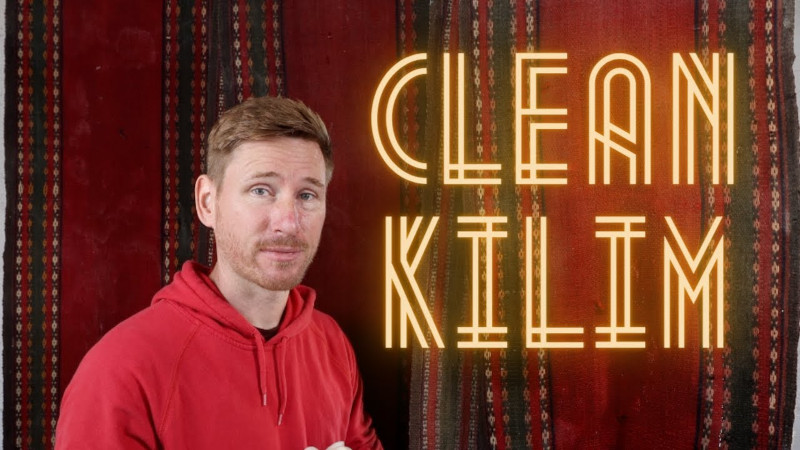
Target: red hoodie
190, 372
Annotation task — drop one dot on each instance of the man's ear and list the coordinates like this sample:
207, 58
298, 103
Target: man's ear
204, 196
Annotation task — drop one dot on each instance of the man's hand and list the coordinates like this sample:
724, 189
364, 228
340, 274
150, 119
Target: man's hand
335, 446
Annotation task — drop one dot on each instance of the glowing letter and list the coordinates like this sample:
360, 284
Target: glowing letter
528, 172
454, 172
486, 235
703, 285
633, 141
712, 113
388, 118
614, 330
542, 330
409, 269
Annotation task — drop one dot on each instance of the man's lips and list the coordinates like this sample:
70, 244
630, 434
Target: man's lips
282, 253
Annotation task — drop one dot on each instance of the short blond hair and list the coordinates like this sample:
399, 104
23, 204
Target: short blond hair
261, 118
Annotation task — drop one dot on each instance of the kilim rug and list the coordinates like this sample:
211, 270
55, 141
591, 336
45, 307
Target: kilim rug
31, 295
543, 253
738, 392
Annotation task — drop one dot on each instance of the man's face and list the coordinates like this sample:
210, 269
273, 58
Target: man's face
268, 211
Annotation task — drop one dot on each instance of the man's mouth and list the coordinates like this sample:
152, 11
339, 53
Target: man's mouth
281, 253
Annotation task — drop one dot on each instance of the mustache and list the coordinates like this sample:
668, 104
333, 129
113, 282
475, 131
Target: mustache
283, 241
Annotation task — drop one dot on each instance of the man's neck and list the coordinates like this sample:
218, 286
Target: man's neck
261, 307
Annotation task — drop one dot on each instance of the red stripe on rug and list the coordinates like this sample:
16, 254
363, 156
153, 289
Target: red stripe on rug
360, 45
50, 297
520, 15
764, 232
623, 391
112, 126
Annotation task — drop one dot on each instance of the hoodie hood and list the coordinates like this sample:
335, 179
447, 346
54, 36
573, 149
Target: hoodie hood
193, 289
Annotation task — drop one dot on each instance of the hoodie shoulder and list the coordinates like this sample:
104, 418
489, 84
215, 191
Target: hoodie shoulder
336, 341
325, 324
155, 334
122, 387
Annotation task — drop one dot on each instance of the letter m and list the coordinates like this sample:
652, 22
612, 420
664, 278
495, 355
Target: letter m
702, 288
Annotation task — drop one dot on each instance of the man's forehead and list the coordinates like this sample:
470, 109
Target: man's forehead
254, 157
289, 141
280, 147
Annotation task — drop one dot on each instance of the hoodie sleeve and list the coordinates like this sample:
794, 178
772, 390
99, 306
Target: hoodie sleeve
360, 432
104, 407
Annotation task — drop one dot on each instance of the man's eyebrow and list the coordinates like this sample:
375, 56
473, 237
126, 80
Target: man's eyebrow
258, 175
271, 174
315, 182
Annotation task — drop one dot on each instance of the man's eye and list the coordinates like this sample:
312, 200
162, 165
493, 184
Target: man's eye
259, 191
305, 196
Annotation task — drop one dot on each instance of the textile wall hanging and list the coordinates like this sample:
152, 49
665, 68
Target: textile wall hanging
108, 107
216, 54
31, 293
586, 395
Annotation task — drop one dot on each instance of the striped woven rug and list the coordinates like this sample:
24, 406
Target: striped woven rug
216, 54
737, 396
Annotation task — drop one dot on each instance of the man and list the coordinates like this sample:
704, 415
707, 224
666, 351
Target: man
235, 357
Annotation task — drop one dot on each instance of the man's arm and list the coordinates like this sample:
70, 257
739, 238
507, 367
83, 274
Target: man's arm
105, 407
360, 432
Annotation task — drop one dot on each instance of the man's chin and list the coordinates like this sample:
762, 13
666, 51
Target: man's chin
279, 283
277, 275
278, 287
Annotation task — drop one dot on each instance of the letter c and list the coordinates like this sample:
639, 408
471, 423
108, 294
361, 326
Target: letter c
388, 119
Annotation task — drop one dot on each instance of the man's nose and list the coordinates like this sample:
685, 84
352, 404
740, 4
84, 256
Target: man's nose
285, 216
